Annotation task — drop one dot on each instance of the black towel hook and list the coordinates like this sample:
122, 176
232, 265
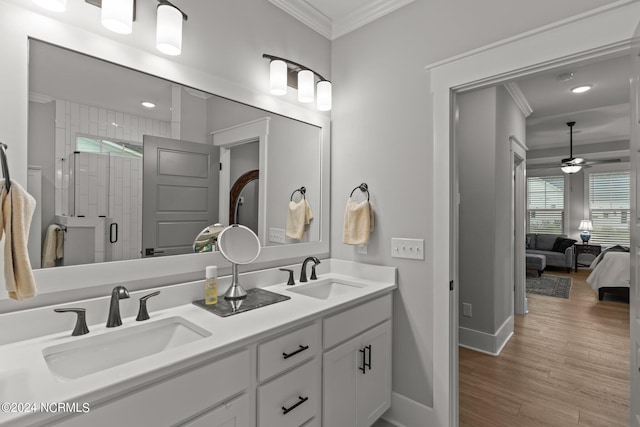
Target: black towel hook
362, 187
302, 191
5, 166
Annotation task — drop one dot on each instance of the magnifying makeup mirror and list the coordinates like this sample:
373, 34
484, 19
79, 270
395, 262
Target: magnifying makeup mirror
239, 245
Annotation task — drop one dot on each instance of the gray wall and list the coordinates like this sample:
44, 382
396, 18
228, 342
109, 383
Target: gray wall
41, 152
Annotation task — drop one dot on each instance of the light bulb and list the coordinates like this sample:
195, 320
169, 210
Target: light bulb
278, 77
117, 15
169, 30
571, 168
305, 86
324, 95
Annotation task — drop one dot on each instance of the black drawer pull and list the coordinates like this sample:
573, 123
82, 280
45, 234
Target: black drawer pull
300, 350
364, 364
301, 400
368, 364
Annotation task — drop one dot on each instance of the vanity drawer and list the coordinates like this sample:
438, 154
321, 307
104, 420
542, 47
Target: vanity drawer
349, 323
283, 352
297, 393
175, 399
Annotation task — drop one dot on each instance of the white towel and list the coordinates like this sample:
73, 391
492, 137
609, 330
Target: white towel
17, 209
358, 222
53, 246
299, 214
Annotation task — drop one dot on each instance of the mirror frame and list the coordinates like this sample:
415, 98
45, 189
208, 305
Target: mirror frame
25, 25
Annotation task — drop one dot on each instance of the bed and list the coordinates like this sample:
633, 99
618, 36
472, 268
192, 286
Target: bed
611, 274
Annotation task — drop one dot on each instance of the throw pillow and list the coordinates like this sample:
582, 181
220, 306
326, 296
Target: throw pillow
528, 240
561, 244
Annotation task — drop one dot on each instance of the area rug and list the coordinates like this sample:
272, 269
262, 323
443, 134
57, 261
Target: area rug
553, 286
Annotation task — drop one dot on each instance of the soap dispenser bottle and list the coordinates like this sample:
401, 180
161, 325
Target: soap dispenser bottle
211, 285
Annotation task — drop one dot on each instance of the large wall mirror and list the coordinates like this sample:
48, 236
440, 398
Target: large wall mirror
125, 165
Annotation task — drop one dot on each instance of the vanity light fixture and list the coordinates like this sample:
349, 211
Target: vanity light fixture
169, 28
148, 104
52, 5
284, 72
117, 16
582, 89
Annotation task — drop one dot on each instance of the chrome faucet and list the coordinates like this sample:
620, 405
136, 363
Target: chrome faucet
303, 271
118, 293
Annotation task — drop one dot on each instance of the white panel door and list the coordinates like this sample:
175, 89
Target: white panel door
339, 384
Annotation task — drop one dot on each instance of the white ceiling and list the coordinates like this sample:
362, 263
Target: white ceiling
601, 114
335, 18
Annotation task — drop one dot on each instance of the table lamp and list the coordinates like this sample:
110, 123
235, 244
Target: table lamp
586, 226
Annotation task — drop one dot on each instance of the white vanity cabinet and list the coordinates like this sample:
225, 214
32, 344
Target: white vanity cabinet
179, 398
357, 373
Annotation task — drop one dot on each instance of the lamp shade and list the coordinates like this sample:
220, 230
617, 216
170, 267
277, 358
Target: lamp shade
117, 15
53, 5
169, 30
585, 225
305, 86
278, 77
323, 89
571, 168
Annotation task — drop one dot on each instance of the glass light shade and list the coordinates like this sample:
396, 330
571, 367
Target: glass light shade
305, 86
117, 15
53, 5
585, 225
324, 95
278, 77
571, 168
169, 30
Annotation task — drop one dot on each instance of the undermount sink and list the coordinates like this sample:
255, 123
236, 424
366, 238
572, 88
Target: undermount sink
324, 290
89, 355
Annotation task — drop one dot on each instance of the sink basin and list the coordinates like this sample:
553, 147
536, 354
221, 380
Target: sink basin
89, 355
324, 290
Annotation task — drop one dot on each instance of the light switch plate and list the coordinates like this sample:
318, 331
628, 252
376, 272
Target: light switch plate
362, 249
466, 310
407, 248
276, 235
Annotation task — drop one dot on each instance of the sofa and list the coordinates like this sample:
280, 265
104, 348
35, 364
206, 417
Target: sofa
557, 249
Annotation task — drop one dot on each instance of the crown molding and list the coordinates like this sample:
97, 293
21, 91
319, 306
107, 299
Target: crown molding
518, 97
319, 22
40, 98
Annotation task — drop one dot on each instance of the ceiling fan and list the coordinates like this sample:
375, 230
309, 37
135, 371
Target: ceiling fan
571, 164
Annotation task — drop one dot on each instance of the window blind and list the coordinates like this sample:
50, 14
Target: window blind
545, 204
609, 208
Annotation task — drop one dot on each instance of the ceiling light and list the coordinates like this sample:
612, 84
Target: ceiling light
148, 104
53, 5
281, 69
278, 77
117, 15
571, 164
582, 89
169, 28
564, 77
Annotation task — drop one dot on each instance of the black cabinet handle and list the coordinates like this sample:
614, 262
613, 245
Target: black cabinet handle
364, 364
299, 350
111, 238
300, 401
368, 364
366, 359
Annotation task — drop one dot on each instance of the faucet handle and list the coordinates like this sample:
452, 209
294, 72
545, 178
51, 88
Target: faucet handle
81, 321
290, 281
143, 314
313, 272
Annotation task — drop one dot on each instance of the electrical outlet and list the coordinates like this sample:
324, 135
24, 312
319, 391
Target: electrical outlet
276, 235
466, 309
407, 248
362, 249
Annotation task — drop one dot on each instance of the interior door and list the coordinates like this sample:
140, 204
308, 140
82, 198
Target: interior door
179, 182
634, 297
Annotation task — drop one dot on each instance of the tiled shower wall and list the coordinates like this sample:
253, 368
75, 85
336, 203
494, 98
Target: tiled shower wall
102, 187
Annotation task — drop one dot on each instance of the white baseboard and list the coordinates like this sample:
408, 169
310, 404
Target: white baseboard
487, 343
406, 412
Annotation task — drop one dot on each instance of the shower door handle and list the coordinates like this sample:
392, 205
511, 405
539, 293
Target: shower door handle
113, 239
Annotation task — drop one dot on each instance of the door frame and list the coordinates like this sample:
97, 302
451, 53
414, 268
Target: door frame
518, 155
604, 31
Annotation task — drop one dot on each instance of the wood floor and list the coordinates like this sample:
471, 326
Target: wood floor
567, 364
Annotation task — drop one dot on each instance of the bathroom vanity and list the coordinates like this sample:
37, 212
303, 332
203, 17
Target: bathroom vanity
323, 357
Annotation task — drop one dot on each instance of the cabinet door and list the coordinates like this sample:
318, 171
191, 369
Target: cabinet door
231, 414
339, 379
374, 385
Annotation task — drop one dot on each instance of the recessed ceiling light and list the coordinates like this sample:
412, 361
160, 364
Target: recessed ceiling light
582, 89
148, 104
564, 77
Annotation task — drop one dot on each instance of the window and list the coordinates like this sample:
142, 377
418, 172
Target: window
609, 208
545, 204
103, 146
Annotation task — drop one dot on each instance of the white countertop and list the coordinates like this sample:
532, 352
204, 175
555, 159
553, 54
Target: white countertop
26, 378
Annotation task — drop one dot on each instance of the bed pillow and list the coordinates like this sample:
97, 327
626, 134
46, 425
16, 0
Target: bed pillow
562, 243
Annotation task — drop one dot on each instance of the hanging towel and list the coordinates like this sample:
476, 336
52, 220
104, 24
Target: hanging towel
17, 209
299, 214
358, 222
53, 246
